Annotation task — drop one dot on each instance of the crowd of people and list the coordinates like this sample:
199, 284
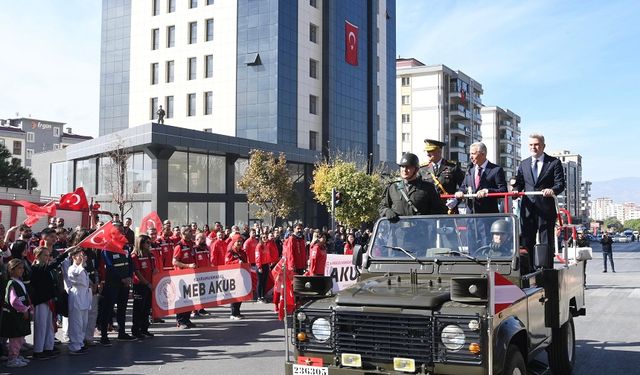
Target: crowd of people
51, 284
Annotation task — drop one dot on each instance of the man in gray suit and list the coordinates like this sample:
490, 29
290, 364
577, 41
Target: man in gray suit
539, 172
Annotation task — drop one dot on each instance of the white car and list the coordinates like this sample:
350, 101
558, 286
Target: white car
621, 239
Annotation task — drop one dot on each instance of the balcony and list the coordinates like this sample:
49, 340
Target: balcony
457, 128
457, 146
459, 112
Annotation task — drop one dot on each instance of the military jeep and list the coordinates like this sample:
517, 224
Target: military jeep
437, 295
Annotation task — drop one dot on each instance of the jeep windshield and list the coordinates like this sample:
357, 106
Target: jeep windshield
469, 237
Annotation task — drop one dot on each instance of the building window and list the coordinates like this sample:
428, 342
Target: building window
208, 102
313, 140
191, 104
56, 131
406, 81
30, 153
168, 104
406, 137
313, 3
171, 36
193, 4
193, 32
155, 39
153, 107
208, 66
17, 147
171, 6
191, 68
209, 2
313, 33
154, 73
209, 36
406, 118
406, 99
56, 146
170, 71
155, 7
313, 104
313, 68
31, 137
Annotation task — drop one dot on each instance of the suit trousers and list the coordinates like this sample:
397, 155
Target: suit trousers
546, 228
77, 324
43, 333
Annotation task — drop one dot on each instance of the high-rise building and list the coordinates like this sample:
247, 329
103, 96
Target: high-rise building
501, 134
313, 75
571, 198
585, 198
436, 102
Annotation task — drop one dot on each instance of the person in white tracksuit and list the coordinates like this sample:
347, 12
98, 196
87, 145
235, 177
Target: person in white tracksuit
79, 302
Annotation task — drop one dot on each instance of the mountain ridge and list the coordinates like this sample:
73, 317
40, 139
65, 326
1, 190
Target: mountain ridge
620, 190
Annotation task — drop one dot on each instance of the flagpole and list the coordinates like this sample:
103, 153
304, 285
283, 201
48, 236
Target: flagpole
284, 295
491, 311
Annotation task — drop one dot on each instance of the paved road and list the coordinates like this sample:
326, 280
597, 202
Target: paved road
607, 338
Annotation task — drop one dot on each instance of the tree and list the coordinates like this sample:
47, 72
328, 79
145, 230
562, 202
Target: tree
113, 167
360, 192
613, 222
268, 185
13, 174
633, 224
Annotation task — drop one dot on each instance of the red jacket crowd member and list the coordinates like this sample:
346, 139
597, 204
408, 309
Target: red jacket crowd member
294, 250
175, 235
350, 244
167, 243
144, 268
155, 250
318, 256
273, 249
202, 251
183, 258
235, 255
264, 255
249, 247
218, 250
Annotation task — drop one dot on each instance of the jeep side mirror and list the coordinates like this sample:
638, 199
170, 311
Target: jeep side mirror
541, 255
357, 256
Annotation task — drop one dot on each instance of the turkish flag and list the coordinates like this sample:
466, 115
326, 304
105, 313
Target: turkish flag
151, 220
34, 212
278, 296
350, 43
106, 238
502, 292
463, 95
76, 201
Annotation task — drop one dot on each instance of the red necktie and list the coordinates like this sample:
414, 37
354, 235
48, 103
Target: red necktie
479, 169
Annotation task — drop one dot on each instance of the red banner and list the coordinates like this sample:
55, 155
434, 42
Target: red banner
194, 289
351, 43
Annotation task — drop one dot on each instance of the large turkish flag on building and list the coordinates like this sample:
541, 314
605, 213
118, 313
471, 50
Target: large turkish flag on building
351, 43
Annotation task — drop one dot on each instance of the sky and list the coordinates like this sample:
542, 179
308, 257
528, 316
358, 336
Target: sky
570, 69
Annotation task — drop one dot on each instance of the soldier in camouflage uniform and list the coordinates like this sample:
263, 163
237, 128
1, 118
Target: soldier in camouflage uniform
446, 175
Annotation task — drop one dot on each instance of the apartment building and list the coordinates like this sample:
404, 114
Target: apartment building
501, 134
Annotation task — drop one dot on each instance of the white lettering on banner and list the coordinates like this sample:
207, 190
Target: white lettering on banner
341, 270
209, 286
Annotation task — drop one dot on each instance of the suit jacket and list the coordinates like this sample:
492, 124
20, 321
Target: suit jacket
492, 179
551, 176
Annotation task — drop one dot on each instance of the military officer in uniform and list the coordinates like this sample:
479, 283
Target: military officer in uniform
444, 174
411, 195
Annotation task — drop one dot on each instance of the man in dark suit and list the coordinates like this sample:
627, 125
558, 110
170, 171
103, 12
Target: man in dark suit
482, 178
540, 172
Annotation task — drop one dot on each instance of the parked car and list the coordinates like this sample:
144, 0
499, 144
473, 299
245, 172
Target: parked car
621, 238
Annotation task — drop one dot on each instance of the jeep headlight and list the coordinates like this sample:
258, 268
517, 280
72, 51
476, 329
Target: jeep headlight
452, 337
321, 329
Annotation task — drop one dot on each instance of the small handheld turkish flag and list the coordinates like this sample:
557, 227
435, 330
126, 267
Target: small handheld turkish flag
75, 201
351, 43
106, 238
151, 220
34, 212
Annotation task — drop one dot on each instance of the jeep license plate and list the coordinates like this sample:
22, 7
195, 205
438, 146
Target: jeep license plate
310, 370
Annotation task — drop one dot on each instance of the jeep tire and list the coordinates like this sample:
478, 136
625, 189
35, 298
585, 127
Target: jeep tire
514, 362
562, 351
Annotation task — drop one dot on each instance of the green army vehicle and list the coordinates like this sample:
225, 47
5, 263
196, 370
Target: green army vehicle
436, 295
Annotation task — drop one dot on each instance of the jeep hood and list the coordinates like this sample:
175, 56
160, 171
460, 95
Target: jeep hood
391, 292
